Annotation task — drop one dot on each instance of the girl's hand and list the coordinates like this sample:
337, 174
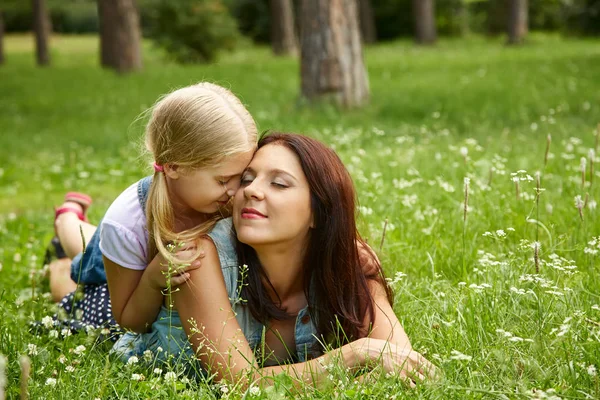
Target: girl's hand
405, 362
161, 273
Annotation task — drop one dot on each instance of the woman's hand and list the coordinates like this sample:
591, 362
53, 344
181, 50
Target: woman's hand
403, 361
160, 272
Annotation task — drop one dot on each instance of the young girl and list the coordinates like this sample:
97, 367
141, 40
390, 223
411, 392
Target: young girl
201, 138
302, 288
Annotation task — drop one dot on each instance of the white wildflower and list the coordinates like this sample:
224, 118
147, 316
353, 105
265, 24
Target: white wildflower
132, 360
148, 355
66, 332
32, 349
48, 321
137, 377
591, 370
79, 350
157, 371
62, 359
254, 390
457, 355
170, 377
70, 368
51, 382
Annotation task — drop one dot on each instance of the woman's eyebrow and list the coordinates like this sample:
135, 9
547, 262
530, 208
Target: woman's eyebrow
277, 171
274, 171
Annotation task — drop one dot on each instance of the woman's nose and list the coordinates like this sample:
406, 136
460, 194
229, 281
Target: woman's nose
253, 190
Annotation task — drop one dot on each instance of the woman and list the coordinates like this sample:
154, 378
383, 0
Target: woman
301, 288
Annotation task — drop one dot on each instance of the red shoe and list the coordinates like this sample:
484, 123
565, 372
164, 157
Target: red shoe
75, 197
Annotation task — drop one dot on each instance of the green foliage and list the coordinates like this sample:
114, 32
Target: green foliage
191, 30
253, 18
467, 108
67, 16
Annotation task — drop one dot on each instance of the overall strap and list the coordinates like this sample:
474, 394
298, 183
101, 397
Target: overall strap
143, 188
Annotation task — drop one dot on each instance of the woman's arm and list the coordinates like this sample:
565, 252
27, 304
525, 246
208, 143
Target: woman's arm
385, 324
215, 335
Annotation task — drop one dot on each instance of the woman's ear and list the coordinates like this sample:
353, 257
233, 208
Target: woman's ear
171, 171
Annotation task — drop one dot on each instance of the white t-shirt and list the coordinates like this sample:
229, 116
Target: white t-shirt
123, 232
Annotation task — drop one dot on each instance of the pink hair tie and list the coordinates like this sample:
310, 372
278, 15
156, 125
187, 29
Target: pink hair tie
158, 168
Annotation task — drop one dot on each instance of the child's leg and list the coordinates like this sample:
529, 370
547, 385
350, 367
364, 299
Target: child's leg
67, 226
60, 279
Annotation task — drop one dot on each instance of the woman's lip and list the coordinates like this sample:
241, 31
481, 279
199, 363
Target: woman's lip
251, 213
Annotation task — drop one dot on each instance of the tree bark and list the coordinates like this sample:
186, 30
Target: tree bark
331, 65
283, 32
1, 38
367, 21
424, 14
41, 30
462, 14
518, 21
120, 36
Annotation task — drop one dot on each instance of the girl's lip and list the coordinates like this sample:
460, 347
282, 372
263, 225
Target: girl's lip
251, 213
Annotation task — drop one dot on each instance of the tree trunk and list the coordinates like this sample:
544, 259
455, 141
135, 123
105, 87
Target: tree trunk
462, 14
41, 30
518, 21
1, 38
283, 32
424, 14
331, 65
367, 21
120, 35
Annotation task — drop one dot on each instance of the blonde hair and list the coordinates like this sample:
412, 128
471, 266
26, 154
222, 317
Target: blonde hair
196, 126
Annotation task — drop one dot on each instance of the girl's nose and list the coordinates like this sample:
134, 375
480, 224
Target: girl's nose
232, 187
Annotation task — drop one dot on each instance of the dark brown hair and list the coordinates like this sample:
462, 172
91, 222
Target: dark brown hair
335, 283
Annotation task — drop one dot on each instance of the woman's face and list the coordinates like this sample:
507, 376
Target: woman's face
272, 205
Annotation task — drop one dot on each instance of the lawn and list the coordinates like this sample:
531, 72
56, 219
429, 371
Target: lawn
504, 298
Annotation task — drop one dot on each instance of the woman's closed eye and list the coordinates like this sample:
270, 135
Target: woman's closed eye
279, 184
246, 180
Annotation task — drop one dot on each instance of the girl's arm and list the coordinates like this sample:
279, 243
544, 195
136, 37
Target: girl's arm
215, 335
136, 296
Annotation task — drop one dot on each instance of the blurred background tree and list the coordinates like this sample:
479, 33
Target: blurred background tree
197, 30
283, 28
392, 18
190, 30
42, 26
120, 36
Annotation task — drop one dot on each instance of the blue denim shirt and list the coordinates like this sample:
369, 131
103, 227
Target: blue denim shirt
167, 332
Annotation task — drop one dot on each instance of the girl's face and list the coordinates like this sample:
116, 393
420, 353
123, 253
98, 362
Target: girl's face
273, 203
205, 190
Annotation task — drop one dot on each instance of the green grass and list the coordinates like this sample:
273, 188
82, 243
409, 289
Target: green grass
71, 127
